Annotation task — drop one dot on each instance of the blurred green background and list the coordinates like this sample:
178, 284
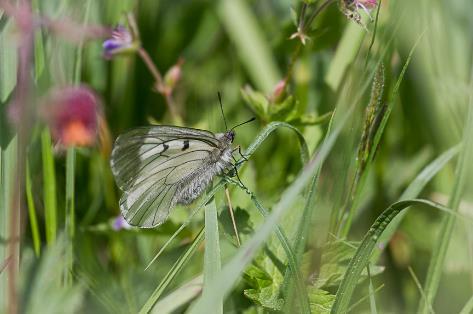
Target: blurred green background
242, 49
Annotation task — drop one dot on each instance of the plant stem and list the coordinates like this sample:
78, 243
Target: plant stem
159, 83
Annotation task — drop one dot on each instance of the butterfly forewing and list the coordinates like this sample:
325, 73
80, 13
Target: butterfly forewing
150, 163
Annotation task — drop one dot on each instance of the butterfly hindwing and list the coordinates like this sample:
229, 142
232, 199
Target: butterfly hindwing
150, 163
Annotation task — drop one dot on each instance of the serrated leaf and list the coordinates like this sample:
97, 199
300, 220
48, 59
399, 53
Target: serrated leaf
265, 297
321, 301
264, 291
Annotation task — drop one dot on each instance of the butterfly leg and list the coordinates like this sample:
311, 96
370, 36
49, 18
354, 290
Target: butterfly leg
230, 209
238, 148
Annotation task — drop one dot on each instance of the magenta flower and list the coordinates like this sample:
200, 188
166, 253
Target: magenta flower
72, 114
120, 42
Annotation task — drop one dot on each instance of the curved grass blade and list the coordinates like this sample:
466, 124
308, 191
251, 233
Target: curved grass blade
414, 189
175, 269
231, 272
270, 128
362, 256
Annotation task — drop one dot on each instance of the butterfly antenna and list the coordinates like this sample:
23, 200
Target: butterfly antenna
221, 108
252, 119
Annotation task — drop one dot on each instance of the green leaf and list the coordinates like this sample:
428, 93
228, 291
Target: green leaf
321, 301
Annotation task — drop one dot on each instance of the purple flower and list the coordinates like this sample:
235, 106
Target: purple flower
119, 223
120, 42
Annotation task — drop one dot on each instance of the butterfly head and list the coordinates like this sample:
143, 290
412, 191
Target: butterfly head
230, 136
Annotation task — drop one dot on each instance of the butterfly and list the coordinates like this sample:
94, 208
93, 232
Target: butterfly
159, 167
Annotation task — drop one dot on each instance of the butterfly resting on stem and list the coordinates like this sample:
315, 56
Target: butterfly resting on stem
159, 167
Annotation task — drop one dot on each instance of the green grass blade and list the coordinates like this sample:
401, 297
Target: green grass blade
8, 157
371, 293
175, 269
230, 273
255, 53
33, 220
182, 295
364, 252
49, 187
421, 291
70, 211
468, 308
212, 263
440, 250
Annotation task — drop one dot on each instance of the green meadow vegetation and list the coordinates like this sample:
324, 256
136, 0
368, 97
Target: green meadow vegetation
353, 191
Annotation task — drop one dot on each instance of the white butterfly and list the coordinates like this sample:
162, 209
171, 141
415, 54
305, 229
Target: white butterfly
158, 167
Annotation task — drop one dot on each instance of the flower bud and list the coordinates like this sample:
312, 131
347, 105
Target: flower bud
279, 91
173, 75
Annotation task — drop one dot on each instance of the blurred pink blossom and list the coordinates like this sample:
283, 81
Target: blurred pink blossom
72, 114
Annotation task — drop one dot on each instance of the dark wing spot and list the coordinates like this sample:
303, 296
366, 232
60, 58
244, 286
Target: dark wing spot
186, 145
165, 147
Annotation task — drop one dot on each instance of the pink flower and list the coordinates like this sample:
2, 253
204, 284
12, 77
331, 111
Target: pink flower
72, 114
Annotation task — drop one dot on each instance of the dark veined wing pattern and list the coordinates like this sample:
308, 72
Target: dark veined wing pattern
149, 163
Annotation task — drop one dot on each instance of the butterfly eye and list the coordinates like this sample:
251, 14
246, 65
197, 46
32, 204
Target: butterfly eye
231, 135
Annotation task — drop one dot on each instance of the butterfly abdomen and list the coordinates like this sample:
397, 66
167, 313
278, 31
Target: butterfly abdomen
192, 187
